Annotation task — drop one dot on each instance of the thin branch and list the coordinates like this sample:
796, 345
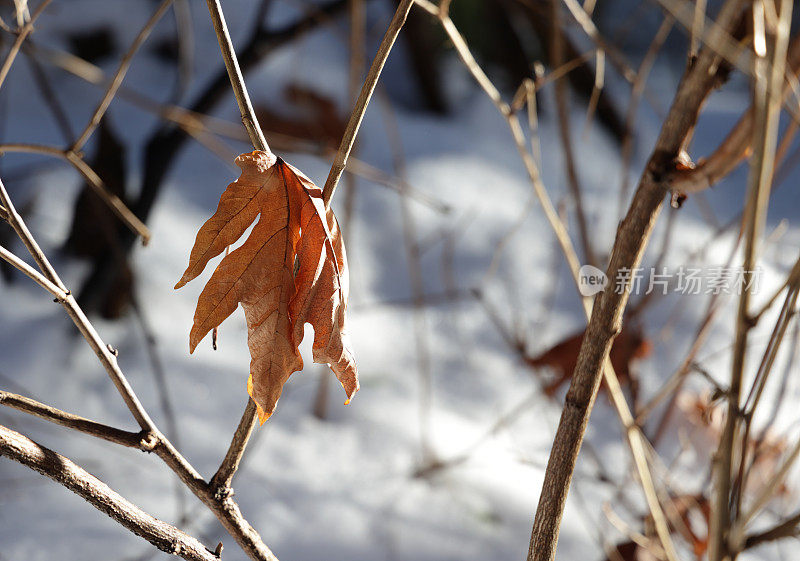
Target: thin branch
224, 508
235, 75
221, 482
62, 470
354, 123
737, 145
23, 34
633, 433
236, 449
565, 134
40, 279
111, 200
768, 90
119, 76
198, 125
48, 94
141, 440
786, 529
107, 358
606, 317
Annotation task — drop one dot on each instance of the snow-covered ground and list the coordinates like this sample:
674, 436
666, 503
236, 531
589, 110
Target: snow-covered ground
343, 488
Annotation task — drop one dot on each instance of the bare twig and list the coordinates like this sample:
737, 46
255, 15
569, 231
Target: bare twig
736, 146
354, 123
62, 470
224, 508
222, 478
785, 529
767, 103
565, 133
119, 76
40, 279
606, 317
102, 351
637, 91
110, 199
633, 433
221, 482
139, 440
23, 34
235, 75
49, 94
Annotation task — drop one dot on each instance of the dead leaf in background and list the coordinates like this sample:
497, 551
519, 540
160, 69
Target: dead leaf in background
684, 514
765, 449
318, 119
291, 270
563, 357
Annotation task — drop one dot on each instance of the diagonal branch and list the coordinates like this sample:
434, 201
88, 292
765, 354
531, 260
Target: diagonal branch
735, 148
62, 470
119, 76
786, 529
221, 482
35, 275
235, 75
636, 440
349, 137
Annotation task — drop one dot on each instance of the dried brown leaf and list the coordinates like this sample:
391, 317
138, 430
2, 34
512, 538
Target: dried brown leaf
291, 270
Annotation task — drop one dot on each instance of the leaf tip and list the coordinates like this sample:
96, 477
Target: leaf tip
262, 415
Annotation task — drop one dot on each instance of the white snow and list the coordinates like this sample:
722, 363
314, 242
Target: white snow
343, 489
